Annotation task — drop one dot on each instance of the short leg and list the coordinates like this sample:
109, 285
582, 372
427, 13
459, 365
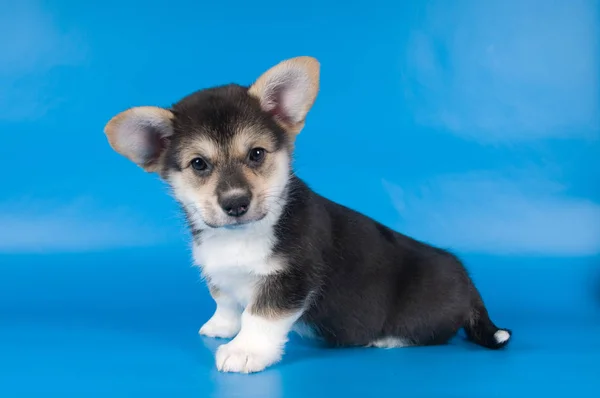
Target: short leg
226, 321
266, 324
259, 344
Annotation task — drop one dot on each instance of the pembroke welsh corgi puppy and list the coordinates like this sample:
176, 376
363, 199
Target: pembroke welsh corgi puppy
277, 256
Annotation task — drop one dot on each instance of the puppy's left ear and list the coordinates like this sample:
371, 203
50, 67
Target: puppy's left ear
141, 134
288, 90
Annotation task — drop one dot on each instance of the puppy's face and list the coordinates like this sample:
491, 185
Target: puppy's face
228, 162
225, 151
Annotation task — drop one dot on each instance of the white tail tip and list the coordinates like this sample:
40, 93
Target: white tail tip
501, 336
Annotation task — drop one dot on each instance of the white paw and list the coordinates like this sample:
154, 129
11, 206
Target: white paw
222, 327
233, 357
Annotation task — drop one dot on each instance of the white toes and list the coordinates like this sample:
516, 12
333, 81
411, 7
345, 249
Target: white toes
233, 358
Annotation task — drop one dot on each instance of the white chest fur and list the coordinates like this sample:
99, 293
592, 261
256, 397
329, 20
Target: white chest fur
236, 260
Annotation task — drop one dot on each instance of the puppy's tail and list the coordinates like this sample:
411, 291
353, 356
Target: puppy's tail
481, 330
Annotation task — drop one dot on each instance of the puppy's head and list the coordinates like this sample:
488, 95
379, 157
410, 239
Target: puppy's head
225, 151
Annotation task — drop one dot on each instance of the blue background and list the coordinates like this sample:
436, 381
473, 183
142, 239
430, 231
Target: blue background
473, 125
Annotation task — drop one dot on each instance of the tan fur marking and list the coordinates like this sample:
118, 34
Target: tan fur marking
260, 179
311, 66
270, 313
248, 138
204, 148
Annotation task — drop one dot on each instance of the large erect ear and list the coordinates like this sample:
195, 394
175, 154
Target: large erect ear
288, 91
141, 135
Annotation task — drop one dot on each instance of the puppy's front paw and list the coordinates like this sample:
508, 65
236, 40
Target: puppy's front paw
233, 357
219, 326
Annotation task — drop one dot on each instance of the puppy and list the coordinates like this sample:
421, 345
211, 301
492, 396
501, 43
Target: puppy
276, 255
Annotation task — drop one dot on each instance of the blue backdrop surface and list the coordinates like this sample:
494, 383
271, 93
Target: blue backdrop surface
472, 125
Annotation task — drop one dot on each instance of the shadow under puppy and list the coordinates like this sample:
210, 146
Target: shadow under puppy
276, 255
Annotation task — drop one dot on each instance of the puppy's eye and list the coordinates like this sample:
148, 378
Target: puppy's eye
199, 164
256, 155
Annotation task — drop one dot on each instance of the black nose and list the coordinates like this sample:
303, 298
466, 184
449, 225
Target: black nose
235, 206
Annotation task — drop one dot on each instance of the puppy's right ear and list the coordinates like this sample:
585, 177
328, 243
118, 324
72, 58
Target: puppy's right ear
141, 134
